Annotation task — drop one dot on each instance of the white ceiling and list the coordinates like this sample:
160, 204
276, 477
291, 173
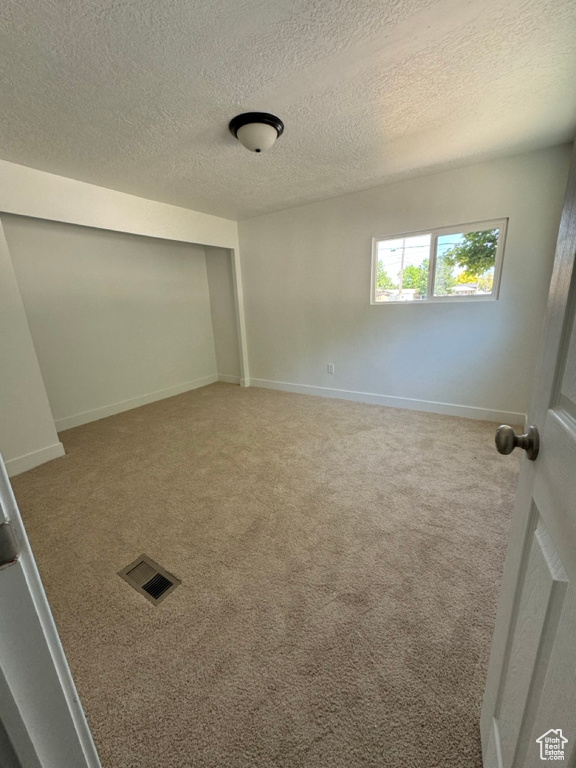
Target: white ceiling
136, 95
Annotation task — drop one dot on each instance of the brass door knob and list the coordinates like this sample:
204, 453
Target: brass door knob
507, 440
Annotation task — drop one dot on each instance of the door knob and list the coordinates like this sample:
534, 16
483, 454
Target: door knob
507, 440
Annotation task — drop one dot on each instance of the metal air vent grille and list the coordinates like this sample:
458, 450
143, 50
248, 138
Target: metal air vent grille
149, 578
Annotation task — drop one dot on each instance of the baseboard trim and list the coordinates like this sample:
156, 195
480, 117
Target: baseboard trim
34, 459
68, 422
228, 379
430, 406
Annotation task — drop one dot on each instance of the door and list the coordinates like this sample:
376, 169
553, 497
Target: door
529, 710
42, 724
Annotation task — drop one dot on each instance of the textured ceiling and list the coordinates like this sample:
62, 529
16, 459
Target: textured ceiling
136, 95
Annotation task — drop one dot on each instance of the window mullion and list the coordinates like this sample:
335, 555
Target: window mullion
432, 267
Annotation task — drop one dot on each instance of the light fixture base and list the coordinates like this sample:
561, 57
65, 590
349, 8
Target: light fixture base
253, 129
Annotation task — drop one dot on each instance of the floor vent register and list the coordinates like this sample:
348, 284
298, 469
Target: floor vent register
150, 579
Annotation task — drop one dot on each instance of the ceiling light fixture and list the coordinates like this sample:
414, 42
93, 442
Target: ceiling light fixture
256, 130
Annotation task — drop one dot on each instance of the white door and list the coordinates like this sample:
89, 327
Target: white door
42, 724
529, 711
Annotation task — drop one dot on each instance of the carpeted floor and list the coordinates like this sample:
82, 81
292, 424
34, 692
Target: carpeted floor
340, 566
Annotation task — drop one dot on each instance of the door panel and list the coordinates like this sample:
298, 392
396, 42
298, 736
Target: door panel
555, 483
541, 597
531, 683
557, 700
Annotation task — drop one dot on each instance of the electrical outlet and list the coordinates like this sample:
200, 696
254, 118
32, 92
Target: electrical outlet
330, 367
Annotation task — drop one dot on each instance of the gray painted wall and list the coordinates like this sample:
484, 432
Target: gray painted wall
116, 319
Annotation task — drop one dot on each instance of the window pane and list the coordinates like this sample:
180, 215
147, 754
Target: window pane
403, 268
465, 263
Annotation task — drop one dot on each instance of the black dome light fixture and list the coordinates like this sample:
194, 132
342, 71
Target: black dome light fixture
256, 131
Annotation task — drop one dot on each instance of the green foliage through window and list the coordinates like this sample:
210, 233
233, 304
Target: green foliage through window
383, 280
477, 252
417, 277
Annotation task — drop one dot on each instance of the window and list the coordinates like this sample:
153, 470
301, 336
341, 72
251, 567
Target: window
460, 263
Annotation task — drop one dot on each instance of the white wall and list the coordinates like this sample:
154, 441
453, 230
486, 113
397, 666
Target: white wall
307, 282
223, 310
117, 320
27, 433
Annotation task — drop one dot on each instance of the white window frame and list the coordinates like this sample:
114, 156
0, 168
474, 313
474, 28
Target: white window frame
435, 233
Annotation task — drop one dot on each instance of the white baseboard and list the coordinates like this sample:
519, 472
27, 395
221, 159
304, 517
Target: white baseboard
449, 409
126, 405
228, 379
30, 460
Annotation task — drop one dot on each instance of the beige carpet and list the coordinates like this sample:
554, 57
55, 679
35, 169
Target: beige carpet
340, 566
